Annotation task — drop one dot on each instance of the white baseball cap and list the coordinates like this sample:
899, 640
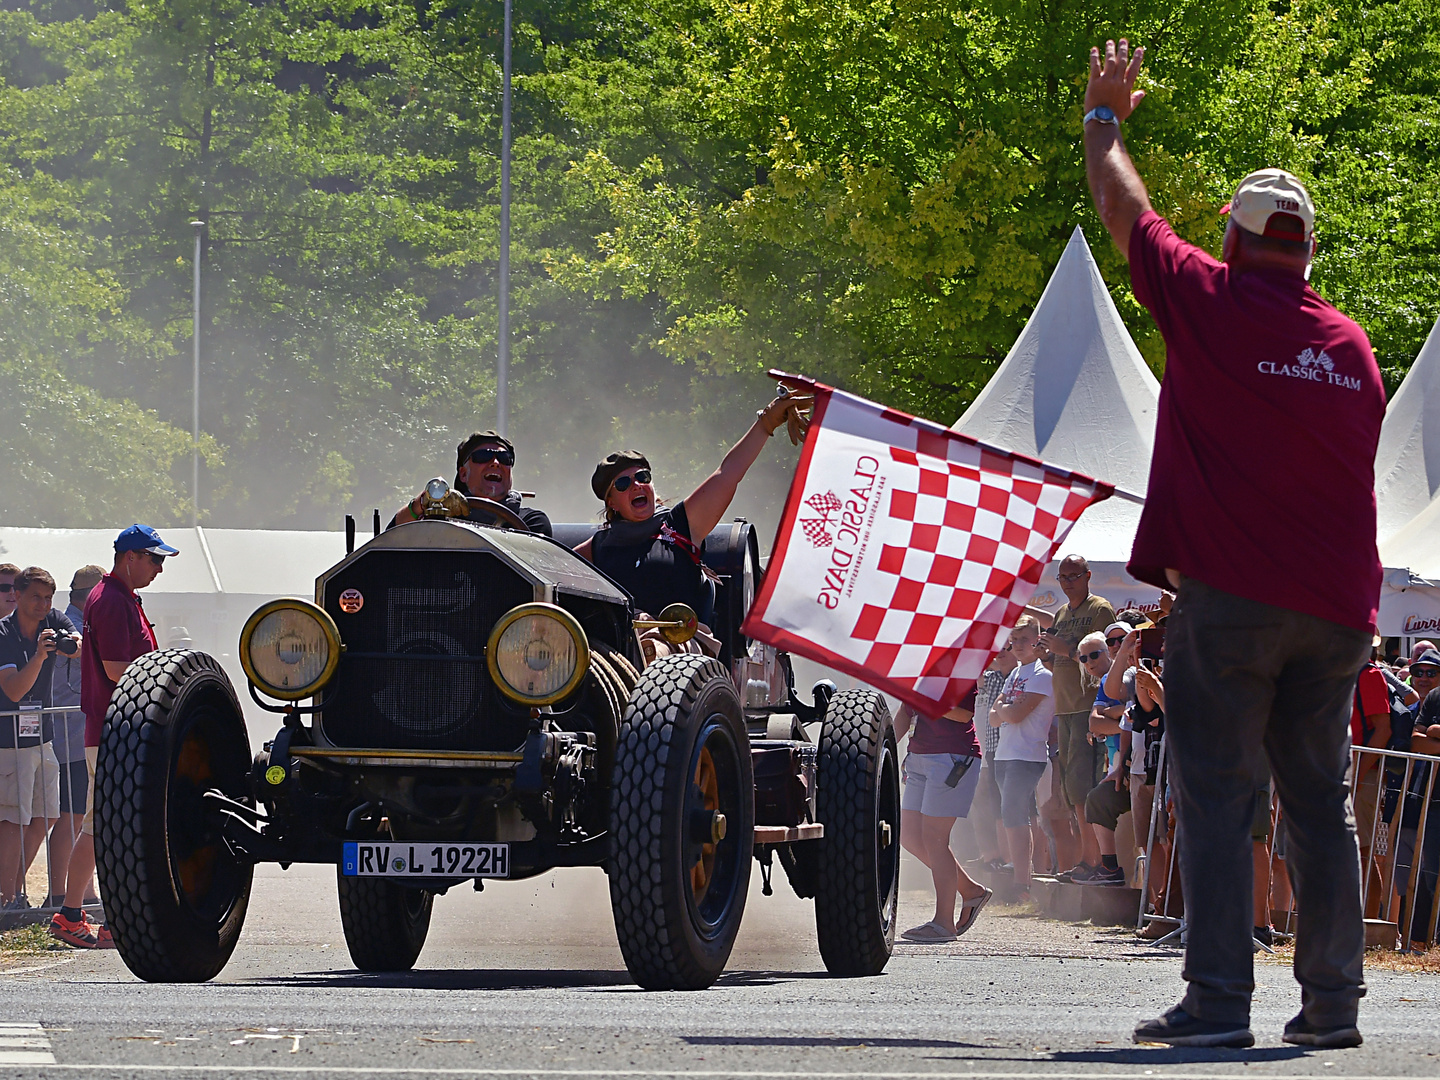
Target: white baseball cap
1273, 202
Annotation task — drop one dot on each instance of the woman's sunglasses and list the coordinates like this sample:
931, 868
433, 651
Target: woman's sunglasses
640, 477
1086, 657
1115, 642
486, 454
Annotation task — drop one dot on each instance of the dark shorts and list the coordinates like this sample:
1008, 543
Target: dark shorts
1082, 762
1104, 805
74, 786
1260, 824
1017, 780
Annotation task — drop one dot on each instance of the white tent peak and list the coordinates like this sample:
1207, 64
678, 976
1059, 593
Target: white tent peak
1407, 463
1073, 390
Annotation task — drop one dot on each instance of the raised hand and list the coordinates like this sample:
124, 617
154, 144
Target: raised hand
1112, 79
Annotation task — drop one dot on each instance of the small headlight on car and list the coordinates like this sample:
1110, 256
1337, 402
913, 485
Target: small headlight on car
437, 489
289, 648
537, 654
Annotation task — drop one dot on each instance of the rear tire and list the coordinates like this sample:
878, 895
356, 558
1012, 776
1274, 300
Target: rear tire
683, 754
857, 798
175, 894
385, 923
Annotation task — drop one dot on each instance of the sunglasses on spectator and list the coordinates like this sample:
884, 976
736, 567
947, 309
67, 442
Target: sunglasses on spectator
6, 587
158, 560
1086, 657
1116, 641
1425, 671
486, 454
1071, 577
641, 477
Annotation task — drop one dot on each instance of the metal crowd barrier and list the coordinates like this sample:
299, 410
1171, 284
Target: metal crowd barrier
60, 830
1400, 862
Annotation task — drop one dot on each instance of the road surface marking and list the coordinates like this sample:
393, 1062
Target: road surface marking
1161, 1072
37, 967
24, 1044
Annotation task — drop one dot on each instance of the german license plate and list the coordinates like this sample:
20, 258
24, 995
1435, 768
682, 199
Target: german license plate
394, 860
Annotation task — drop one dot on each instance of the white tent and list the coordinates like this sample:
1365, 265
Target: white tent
1075, 392
1407, 463
1410, 597
206, 593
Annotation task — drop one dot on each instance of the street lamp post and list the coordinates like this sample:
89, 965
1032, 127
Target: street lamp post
502, 377
199, 227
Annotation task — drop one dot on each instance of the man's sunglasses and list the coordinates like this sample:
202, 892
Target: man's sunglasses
640, 477
1425, 671
6, 587
158, 560
1115, 641
1086, 657
486, 454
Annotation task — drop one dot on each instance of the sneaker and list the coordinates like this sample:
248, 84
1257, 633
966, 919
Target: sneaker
1179, 1028
1300, 1032
1075, 874
20, 903
1099, 875
103, 940
1264, 935
79, 933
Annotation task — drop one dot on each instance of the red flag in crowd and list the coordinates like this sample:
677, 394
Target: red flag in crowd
907, 550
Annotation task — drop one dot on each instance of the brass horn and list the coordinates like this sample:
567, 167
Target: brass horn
677, 624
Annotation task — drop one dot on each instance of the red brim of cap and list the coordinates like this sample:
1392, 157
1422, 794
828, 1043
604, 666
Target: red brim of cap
1225, 209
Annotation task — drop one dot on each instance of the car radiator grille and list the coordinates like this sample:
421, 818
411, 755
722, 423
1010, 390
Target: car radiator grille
413, 672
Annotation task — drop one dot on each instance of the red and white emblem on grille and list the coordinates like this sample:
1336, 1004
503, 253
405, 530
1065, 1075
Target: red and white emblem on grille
351, 601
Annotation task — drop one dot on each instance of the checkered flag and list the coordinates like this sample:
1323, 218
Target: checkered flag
923, 548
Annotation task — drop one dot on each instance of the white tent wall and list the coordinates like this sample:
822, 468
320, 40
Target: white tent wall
1407, 462
205, 593
1074, 391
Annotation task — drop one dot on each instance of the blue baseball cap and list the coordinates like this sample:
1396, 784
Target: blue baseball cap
143, 538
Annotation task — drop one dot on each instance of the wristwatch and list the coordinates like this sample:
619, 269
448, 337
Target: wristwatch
1102, 114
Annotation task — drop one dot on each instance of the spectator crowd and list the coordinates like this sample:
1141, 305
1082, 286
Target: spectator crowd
1062, 738
58, 669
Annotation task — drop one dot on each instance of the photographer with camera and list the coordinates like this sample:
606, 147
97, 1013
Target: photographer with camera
30, 636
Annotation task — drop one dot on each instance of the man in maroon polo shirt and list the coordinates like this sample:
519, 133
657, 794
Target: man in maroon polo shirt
1264, 448
116, 632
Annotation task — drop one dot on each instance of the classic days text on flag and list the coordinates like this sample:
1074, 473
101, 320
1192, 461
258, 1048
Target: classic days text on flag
907, 550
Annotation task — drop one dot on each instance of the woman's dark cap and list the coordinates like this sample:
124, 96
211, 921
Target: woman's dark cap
480, 438
613, 465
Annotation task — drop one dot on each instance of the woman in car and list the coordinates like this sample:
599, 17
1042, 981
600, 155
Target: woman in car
652, 550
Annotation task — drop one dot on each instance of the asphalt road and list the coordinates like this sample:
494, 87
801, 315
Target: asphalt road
526, 980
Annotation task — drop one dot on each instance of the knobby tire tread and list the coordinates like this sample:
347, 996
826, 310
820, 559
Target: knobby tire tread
853, 938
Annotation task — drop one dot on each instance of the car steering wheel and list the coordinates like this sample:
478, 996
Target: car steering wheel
502, 513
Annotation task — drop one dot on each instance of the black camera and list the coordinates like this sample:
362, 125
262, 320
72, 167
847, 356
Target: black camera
67, 642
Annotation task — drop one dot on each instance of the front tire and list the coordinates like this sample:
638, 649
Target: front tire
175, 893
858, 801
385, 923
683, 756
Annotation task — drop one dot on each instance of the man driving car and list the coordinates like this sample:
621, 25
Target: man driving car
482, 470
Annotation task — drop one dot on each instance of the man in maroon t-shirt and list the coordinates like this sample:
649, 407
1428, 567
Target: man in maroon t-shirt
116, 632
1265, 441
942, 770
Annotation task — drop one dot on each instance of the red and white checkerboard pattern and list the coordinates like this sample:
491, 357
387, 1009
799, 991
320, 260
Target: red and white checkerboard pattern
947, 562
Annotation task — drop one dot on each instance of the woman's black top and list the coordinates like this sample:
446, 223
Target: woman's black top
654, 560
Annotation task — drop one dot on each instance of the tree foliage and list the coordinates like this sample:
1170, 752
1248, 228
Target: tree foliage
870, 191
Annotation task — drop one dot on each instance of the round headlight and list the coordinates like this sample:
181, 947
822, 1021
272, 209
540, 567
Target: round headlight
537, 654
437, 489
290, 648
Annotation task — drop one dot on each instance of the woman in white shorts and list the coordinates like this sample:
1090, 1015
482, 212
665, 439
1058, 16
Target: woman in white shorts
941, 771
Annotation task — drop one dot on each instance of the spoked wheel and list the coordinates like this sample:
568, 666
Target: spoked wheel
683, 818
175, 893
858, 801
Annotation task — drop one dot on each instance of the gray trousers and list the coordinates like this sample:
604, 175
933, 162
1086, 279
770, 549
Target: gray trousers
1245, 681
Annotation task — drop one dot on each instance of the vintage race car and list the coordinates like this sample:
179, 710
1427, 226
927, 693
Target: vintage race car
463, 702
